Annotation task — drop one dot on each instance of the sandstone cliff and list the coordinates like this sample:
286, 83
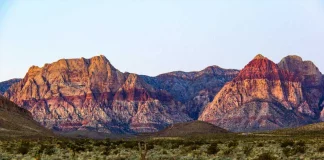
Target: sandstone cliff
266, 96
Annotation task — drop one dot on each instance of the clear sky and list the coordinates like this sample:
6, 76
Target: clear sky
156, 36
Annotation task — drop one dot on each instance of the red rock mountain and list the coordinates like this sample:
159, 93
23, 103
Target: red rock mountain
267, 96
90, 94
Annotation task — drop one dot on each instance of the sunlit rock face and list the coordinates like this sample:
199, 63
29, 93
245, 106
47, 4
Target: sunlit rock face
266, 96
90, 94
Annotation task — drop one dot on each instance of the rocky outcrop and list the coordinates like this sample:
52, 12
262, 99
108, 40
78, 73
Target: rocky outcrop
311, 79
5, 85
264, 96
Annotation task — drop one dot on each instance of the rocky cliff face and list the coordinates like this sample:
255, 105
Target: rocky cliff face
90, 94
267, 96
5, 85
311, 79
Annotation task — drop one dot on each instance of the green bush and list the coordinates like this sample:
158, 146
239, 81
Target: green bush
294, 150
232, 144
321, 149
266, 156
247, 150
24, 147
47, 149
260, 144
287, 152
300, 149
131, 144
301, 143
213, 149
287, 143
228, 151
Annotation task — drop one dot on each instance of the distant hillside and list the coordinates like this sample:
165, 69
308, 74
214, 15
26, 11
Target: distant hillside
18, 122
311, 129
5, 85
190, 128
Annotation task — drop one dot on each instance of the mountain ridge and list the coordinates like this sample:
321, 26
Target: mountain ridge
91, 94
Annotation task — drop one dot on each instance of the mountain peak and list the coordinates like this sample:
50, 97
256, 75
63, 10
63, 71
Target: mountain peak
259, 56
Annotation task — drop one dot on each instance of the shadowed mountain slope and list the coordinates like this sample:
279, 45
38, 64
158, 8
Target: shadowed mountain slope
189, 129
5, 85
18, 122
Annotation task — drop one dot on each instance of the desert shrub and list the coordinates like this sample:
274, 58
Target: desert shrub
213, 149
288, 151
233, 144
228, 151
164, 152
287, 143
301, 143
266, 156
107, 141
106, 150
247, 150
300, 149
260, 144
10, 148
168, 144
99, 143
321, 149
82, 141
47, 149
115, 152
24, 147
64, 144
193, 147
131, 144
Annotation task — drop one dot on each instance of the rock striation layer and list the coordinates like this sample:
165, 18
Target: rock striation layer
266, 96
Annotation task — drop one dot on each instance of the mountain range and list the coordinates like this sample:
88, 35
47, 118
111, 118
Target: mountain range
91, 94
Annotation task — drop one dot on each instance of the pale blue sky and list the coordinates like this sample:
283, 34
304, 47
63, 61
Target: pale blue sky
152, 37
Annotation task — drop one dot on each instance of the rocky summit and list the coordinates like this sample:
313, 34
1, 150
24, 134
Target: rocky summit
266, 96
91, 94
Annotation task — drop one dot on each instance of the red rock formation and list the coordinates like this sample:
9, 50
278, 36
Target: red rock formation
311, 78
263, 96
90, 94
